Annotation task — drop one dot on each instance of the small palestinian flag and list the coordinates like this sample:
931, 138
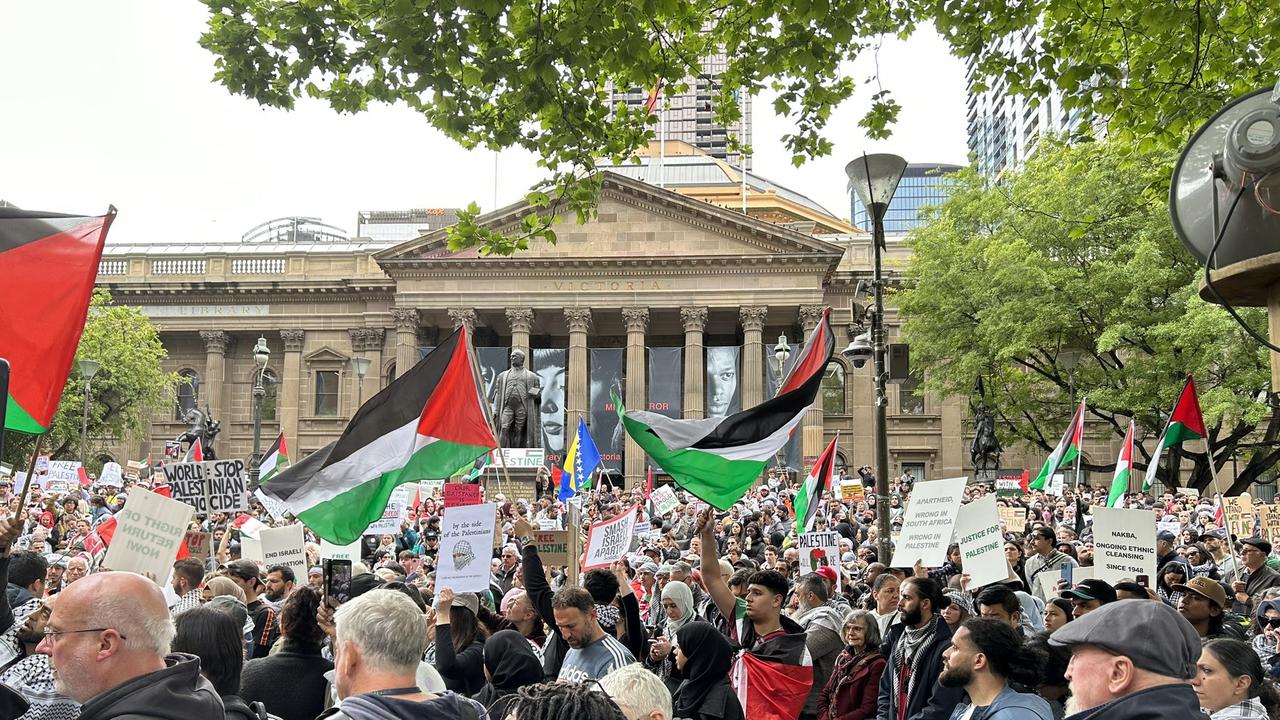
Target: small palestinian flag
195, 453
1067, 450
423, 426
273, 461
1186, 423
719, 458
49, 261
809, 498
1124, 469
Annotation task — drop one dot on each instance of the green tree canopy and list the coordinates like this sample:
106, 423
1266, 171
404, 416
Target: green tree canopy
1075, 257
536, 74
124, 396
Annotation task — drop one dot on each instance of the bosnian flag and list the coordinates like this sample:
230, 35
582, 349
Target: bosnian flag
423, 426
718, 459
275, 460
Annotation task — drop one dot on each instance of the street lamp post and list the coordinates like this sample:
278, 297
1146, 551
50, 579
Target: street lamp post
875, 178
261, 354
361, 366
88, 368
781, 352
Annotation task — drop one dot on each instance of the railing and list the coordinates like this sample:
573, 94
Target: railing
178, 267
257, 266
113, 267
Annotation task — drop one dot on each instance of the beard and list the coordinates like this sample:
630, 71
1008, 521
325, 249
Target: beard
955, 677
912, 618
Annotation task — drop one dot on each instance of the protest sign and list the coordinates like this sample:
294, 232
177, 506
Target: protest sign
981, 543
186, 484
226, 481
431, 488
1014, 518
553, 547
1273, 523
1008, 487
853, 491
664, 500
1239, 513
251, 549
42, 464
274, 507
548, 524
396, 512
284, 546
466, 546
19, 482
63, 474
519, 457
1124, 543
1172, 526
643, 528
928, 522
351, 552
146, 540
461, 494
609, 540
1056, 484
112, 475
820, 549
199, 544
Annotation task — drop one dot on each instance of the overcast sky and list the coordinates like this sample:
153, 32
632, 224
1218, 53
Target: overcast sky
114, 103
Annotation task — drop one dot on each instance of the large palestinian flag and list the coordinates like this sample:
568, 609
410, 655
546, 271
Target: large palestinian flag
718, 459
48, 263
423, 426
1186, 423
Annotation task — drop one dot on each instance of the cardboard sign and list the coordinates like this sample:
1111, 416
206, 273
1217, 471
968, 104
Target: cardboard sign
1273, 522
275, 508
853, 491
609, 540
1239, 513
466, 546
1008, 487
397, 511
981, 542
251, 549
553, 547
64, 472
928, 522
211, 486
819, 549
146, 540
112, 475
199, 544
1124, 543
350, 552
285, 546
461, 494
1014, 518
663, 499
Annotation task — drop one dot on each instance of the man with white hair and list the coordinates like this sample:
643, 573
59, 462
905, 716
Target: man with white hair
638, 692
381, 637
108, 640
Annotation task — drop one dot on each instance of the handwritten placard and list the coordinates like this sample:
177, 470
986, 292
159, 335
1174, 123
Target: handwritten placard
928, 522
461, 494
609, 540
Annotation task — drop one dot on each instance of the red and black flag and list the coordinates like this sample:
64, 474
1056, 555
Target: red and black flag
48, 263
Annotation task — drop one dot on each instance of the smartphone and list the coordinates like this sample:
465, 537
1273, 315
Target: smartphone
1144, 581
1066, 573
337, 582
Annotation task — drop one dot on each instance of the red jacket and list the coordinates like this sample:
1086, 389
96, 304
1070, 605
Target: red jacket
852, 690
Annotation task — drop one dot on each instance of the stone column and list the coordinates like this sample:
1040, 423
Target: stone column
288, 402
637, 322
752, 379
463, 316
521, 322
578, 320
215, 371
695, 369
406, 320
366, 342
812, 427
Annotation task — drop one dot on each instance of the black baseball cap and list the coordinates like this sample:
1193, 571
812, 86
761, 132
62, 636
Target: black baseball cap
1092, 589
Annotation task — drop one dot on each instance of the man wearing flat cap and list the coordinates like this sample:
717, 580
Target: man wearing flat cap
1248, 586
1131, 660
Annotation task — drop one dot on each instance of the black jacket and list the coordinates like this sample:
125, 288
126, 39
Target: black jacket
290, 683
177, 692
535, 584
462, 670
1165, 702
720, 704
931, 701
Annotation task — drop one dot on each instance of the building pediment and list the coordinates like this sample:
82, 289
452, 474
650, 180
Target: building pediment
326, 354
636, 222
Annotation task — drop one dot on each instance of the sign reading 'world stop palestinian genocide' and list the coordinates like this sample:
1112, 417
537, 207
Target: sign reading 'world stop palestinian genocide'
1124, 543
927, 526
210, 487
610, 540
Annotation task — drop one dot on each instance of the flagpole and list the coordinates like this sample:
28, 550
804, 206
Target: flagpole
1217, 490
31, 475
484, 405
1079, 523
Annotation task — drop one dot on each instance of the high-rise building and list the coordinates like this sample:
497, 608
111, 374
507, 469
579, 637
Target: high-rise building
923, 184
1004, 128
690, 115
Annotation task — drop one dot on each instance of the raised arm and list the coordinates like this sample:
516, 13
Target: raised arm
10, 528
720, 593
535, 577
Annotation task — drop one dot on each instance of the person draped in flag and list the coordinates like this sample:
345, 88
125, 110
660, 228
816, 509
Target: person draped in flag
909, 686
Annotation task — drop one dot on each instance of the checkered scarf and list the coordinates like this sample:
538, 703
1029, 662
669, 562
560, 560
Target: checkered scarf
905, 652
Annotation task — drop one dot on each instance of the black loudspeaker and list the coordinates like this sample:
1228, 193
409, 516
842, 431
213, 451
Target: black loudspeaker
899, 362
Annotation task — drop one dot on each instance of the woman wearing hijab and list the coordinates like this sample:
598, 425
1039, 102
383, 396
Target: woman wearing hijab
509, 664
703, 659
678, 611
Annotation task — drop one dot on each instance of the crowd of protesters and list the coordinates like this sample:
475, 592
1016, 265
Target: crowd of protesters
658, 635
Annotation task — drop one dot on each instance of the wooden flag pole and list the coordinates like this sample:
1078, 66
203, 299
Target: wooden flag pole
31, 475
1222, 508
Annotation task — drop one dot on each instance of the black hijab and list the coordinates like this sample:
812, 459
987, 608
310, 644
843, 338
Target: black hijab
512, 665
708, 658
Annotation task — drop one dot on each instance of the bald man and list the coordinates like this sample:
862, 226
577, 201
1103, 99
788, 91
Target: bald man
108, 641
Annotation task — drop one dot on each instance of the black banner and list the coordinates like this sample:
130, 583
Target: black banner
607, 374
793, 451
722, 386
666, 381
552, 369
492, 361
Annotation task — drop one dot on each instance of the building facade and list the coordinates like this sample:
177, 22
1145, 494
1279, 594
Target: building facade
922, 185
673, 302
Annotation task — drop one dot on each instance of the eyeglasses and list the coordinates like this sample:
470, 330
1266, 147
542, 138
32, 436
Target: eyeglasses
50, 634
1273, 623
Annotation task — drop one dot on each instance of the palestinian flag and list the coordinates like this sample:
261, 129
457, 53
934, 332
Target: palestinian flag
195, 453
423, 426
809, 498
1068, 449
248, 525
275, 460
1186, 423
1124, 469
718, 459
773, 681
48, 262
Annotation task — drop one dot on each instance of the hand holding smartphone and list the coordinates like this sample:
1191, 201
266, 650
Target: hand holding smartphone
337, 582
